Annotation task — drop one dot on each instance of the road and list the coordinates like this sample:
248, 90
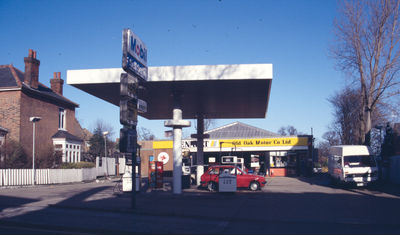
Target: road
284, 206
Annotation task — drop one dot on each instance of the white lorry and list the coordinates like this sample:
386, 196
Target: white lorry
354, 164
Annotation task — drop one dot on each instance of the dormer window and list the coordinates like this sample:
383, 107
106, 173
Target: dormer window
61, 119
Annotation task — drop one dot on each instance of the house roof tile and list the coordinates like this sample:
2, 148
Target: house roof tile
7, 78
11, 77
66, 135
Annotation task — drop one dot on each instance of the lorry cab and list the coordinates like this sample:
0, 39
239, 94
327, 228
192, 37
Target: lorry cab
352, 164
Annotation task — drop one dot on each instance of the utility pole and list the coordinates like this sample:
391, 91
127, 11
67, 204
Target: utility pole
105, 133
34, 120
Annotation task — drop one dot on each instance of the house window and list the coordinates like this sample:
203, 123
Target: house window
61, 118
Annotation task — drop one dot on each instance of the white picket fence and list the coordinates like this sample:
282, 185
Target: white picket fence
15, 177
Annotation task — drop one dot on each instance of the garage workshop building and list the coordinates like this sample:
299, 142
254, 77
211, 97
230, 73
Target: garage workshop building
262, 151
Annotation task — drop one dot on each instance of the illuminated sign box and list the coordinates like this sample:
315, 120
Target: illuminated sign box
134, 55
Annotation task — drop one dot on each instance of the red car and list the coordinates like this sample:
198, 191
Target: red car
243, 180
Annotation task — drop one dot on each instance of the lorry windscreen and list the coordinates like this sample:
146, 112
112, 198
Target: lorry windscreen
359, 161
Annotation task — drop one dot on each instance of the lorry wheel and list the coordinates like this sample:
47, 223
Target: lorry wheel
254, 186
212, 186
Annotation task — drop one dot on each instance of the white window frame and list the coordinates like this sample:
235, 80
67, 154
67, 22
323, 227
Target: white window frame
62, 113
71, 150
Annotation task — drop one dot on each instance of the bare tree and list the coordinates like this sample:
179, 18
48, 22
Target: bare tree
331, 137
346, 105
282, 131
367, 48
208, 124
145, 134
102, 126
288, 130
97, 140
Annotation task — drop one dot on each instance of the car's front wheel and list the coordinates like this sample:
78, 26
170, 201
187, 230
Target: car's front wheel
212, 186
254, 186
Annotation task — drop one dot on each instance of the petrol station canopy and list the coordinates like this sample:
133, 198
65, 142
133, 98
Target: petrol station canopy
216, 91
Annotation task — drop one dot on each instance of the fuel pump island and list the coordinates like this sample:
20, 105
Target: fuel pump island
176, 93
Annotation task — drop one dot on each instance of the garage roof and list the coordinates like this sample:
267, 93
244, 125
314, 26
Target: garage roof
239, 130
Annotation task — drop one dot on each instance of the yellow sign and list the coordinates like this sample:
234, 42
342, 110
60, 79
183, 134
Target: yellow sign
166, 144
229, 143
288, 141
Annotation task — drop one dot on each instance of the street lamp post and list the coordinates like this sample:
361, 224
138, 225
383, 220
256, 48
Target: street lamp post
105, 133
34, 120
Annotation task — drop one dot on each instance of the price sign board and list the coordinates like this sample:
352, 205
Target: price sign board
134, 55
128, 140
142, 106
128, 86
128, 112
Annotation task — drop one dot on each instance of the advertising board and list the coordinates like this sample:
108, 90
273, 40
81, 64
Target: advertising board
128, 141
215, 144
128, 112
142, 106
134, 55
128, 86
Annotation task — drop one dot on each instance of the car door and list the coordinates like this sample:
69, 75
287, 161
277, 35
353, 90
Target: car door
243, 179
214, 172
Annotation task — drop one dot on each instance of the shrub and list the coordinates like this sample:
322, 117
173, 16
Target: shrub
47, 157
77, 165
15, 156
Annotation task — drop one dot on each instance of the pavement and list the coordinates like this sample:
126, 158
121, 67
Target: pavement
284, 206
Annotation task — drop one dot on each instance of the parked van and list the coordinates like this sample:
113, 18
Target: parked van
353, 164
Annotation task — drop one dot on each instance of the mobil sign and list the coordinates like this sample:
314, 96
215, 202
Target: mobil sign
134, 55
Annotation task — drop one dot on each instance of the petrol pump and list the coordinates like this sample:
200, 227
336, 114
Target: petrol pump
156, 169
233, 160
127, 177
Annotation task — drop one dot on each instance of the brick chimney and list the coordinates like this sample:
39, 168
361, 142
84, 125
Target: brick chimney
57, 83
31, 77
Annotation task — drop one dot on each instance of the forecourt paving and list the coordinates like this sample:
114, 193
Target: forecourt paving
284, 206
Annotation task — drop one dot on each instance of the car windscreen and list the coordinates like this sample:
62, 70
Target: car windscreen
359, 161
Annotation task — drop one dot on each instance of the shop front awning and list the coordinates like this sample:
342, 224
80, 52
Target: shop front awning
216, 91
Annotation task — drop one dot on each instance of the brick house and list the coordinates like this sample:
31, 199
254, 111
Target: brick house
22, 96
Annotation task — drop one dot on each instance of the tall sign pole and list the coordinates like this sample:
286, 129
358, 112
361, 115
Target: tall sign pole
134, 63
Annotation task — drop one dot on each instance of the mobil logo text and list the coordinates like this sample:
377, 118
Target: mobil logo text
138, 49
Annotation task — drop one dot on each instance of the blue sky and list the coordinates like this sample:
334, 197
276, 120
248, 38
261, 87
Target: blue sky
293, 35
